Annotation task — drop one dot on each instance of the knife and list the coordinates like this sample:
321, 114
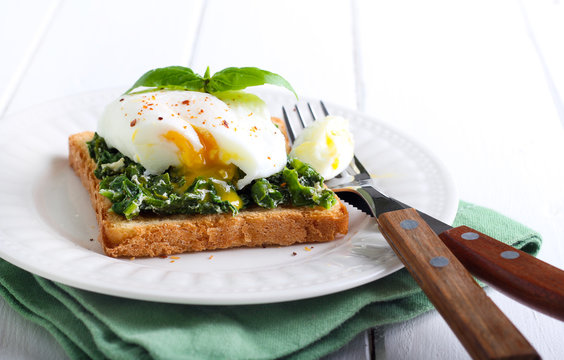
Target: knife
513, 272
481, 327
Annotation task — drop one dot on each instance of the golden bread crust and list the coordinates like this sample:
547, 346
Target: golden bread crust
165, 235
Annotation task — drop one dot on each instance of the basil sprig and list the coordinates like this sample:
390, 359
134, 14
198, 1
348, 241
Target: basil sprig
183, 78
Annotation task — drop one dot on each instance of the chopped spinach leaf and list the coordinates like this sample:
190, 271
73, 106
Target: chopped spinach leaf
267, 194
132, 191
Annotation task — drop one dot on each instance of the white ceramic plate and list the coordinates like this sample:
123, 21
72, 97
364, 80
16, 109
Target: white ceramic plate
47, 225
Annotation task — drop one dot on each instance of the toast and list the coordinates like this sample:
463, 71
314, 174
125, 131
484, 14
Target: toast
155, 235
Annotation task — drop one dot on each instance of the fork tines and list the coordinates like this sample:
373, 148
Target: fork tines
290, 129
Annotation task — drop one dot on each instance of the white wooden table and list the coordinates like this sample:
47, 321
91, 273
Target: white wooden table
480, 83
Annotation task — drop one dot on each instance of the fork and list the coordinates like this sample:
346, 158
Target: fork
479, 324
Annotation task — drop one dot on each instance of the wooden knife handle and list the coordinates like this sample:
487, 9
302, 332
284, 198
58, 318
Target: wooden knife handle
481, 327
514, 272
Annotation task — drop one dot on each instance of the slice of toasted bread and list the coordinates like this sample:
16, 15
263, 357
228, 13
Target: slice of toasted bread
165, 235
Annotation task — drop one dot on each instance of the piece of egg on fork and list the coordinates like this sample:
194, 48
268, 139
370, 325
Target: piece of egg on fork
197, 133
327, 145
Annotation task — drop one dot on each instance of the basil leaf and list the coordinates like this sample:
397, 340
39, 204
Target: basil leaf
234, 78
172, 78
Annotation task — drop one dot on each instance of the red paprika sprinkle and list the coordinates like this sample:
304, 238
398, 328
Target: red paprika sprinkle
133, 122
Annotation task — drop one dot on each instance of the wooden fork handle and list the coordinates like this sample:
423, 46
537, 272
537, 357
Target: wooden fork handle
514, 272
481, 327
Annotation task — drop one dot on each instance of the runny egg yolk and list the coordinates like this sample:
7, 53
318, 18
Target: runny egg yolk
205, 163
332, 149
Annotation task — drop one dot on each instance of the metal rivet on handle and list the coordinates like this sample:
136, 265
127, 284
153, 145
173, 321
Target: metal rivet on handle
409, 224
439, 261
470, 236
510, 255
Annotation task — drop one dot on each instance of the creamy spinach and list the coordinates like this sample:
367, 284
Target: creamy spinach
132, 191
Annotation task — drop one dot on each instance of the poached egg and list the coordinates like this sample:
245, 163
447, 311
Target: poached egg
327, 145
197, 133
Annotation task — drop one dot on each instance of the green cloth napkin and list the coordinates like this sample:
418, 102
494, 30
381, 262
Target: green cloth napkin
90, 325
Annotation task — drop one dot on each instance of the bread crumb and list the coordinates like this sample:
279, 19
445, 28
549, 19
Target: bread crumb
175, 257
307, 249
211, 257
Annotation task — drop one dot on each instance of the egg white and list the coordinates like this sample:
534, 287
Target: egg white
327, 145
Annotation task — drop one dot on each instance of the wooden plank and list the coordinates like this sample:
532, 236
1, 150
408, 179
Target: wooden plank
425, 337
24, 340
434, 75
463, 88
309, 43
357, 349
466, 81
544, 21
21, 32
105, 44
89, 45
